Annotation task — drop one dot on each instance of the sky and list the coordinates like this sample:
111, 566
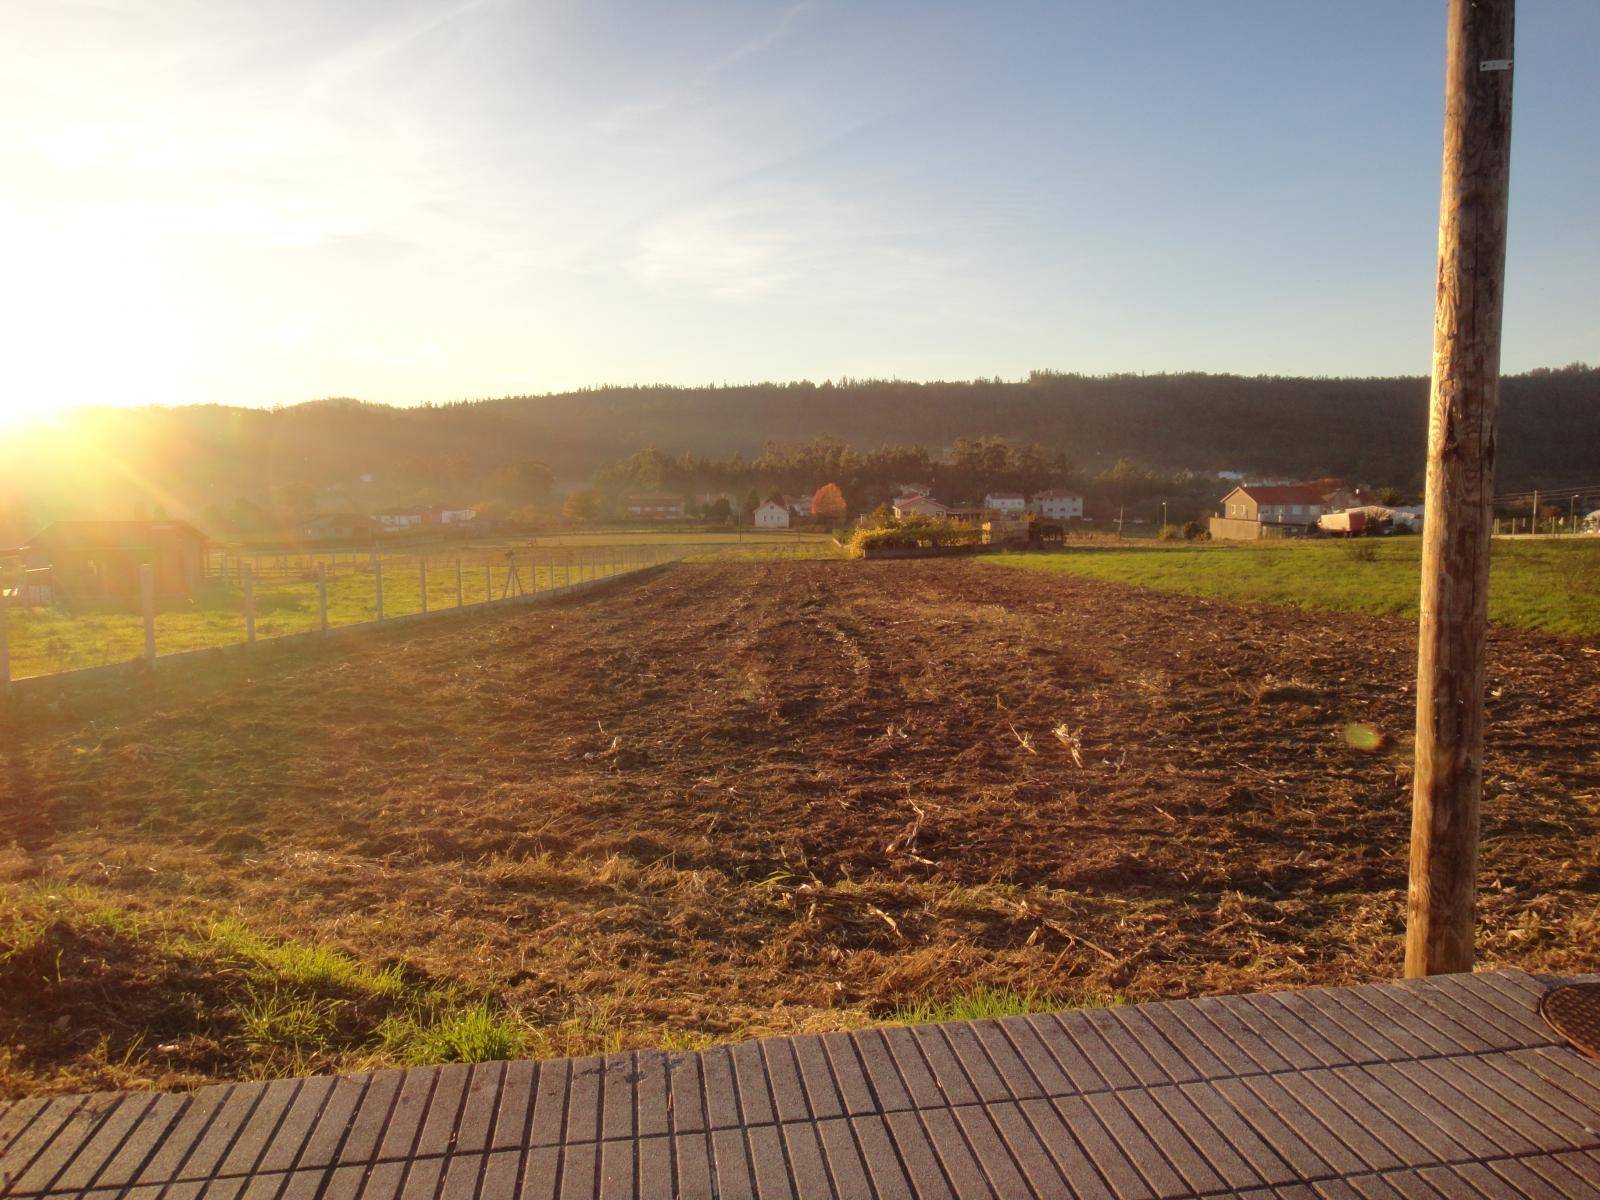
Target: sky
225, 201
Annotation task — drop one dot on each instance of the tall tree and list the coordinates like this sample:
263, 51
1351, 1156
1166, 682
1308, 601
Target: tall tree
827, 504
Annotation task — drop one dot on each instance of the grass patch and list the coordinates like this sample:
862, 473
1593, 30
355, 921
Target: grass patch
470, 1035
987, 1004
302, 965
99, 997
1546, 585
281, 1019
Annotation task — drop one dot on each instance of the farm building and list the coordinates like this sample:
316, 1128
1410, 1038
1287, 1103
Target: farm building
918, 505
100, 560
654, 508
1011, 502
339, 527
455, 516
771, 516
1254, 511
1056, 505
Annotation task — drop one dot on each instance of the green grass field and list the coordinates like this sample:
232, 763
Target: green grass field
49, 640
1548, 585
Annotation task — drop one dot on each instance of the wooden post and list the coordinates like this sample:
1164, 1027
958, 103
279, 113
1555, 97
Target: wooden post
247, 580
461, 592
1460, 493
147, 605
377, 580
322, 597
422, 581
5, 648
488, 580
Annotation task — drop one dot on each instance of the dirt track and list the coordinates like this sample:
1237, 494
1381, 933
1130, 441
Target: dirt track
745, 797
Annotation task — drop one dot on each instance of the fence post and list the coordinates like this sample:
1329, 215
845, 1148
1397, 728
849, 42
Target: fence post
147, 603
422, 577
488, 580
322, 596
377, 579
5, 649
461, 595
247, 579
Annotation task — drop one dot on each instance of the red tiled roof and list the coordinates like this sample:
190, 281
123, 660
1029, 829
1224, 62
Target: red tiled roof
1283, 494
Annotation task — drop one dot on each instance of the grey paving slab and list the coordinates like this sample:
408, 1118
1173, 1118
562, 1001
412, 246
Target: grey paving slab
653, 1113
784, 1080
1438, 1088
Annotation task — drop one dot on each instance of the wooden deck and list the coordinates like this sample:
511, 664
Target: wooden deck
1451, 1087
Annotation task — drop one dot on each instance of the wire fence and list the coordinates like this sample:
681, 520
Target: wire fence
244, 599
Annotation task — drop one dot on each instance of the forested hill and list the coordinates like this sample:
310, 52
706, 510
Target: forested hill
1368, 429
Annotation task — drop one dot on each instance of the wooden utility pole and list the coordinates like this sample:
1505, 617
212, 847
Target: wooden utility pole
1459, 507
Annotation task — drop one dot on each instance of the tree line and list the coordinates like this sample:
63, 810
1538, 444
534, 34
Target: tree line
220, 462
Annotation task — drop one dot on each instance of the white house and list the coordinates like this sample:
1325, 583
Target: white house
1006, 502
919, 506
397, 520
771, 516
1058, 506
457, 516
800, 505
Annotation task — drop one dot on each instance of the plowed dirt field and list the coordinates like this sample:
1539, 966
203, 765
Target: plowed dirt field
733, 799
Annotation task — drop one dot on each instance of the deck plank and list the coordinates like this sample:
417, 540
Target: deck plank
1444, 1087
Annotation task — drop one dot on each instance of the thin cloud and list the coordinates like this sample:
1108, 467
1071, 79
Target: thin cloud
758, 45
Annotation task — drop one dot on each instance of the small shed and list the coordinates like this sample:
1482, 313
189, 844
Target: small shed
100, 560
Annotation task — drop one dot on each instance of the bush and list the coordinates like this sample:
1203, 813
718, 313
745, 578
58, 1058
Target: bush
1194, 531
918, 531
1172, 533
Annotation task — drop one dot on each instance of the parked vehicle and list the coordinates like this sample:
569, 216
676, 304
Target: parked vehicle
1351, 523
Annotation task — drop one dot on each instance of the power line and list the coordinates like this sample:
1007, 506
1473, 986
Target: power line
1551, 492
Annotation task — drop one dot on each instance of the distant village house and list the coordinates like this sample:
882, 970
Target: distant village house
400, 520
1254, 511
339, 527
919, 506
655, 508
1006, 502
771, 516
1058, 506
